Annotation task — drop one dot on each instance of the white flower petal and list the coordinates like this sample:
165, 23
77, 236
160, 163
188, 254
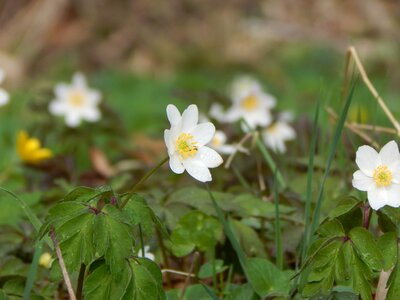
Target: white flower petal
190, 117
209, 157
61, 90
57, 108
93, 97
4, 97
197, 169
203, 133
217, 112
72, 119
393, 195
79, 80
367, 159
176, 164
362, 182
390, 155
377, 198
173, 115
91, 114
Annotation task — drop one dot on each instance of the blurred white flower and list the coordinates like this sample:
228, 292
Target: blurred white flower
76, 102
186, 142
147, 253
379, 175
218, 143
277, 134
249, 102
4, 96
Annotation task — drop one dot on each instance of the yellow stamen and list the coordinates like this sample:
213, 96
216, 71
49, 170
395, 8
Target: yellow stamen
76, 99
185, 145
250, 103
382, 176
216, 141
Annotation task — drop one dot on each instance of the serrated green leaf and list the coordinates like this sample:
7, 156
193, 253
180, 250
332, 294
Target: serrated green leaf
366, 247
248, 239
361, 276
266, 278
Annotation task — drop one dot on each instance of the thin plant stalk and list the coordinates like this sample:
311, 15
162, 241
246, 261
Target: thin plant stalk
32, 271
81, 278
141, 181
310, 173
141, 240
278, 238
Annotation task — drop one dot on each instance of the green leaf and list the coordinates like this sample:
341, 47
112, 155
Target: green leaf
345, 205
361, 277
248, 239
101, 285
366, 247
207, 270
148, 280
387, 243
244, 291
266, 279
120, 245
195, 230
138, 212
389, 219
331, 228
393, 284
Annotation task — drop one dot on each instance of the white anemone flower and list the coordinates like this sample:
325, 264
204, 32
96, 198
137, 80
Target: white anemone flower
277, 134
4, 96
250, 102
76, 102
379, 175
147, 253
186, 142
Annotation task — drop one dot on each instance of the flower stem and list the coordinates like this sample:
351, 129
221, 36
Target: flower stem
141, 181
367, 215
80, 282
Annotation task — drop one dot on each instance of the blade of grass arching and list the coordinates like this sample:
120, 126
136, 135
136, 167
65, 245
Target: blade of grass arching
209, 291
268, 159
240, 177
29, 213
32, 271
278, 238
310, 173
228, 231
332, 151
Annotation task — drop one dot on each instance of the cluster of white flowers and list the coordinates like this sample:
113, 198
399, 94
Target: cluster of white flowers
253, 105
379, 175
76, 102
4, 96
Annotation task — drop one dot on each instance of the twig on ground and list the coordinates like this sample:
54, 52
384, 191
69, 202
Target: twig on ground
67, 280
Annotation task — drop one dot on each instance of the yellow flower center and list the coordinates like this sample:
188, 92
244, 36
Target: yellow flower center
76, 99
249, 103
273, 128
216, 142
186, 146
382, 176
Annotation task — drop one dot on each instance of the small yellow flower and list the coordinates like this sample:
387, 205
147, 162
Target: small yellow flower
30, 149
45, 260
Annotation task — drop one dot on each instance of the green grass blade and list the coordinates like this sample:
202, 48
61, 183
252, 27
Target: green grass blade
29, 213
278, 238
310, 173
32, 271
229, 231
338, 133
270, 162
